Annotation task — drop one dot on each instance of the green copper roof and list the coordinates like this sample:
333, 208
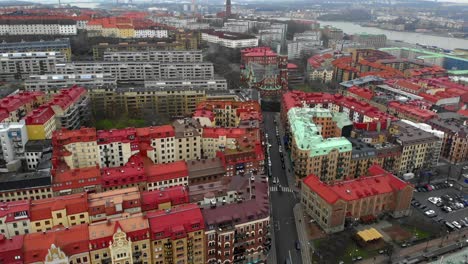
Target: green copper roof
308, 135
342, 120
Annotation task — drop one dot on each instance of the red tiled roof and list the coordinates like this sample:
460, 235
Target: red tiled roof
130, 173
72, 241
175, 223
361, 92
40, 116
9, 209
166, 171
155, 132
417, 113
74, 204
10, 249
65, 137
204, 113
64, 179
176, 195
379, 182
126, 135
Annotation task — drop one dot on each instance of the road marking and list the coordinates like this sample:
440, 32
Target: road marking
283, 189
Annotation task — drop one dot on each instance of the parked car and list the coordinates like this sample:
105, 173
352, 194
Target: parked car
430, 213
298, 245
434, 200
446, 209
429, 187
456, 224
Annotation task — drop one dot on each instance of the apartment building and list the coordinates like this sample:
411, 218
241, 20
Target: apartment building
124, 240
19, 65
319, 68
411, 112
187, 139
141, 102
229, 39
164, 199
76, 181
129, 175
205, 171
161, 176
162, 56
15, 218
24, 25
52, 82
177, 235
64, 211
13, 138
17, 186
420, 149
364, 155
116, 146
15, 107
58, 45
41, 123
77, 148
455, 141
212, 84
371, 40
213, 113
238, 232
373, 194
228, 140
70, 245
12, 250
317, 146
121, 71
156, 139
101, 48
36, 151
113, 204
71, 107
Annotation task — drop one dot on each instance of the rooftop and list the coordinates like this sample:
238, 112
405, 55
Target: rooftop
307, 134
176, 222
205, 167
378, 182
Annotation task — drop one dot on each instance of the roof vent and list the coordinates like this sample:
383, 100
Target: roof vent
348, 191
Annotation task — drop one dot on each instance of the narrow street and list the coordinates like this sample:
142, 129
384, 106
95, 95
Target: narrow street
282, 201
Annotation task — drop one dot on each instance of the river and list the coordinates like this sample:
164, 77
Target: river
409, 37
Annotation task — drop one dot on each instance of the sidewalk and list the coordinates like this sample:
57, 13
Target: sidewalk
271, 258
306, 246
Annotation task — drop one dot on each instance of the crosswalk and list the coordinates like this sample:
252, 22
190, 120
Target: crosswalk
283, 189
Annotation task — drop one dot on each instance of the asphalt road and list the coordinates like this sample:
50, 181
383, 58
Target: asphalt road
282, 202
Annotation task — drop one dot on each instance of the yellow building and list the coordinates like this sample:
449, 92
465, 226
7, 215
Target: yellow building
40, 123
124, 240
177, 235
63, 211
126, 31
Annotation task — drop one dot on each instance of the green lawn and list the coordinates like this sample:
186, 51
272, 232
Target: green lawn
353, 251
304, 88
419, 234
107, 124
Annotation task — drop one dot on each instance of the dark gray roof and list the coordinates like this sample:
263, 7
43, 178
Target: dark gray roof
38, 145
23, 180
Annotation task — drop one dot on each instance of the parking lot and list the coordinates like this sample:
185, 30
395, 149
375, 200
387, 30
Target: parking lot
448, 195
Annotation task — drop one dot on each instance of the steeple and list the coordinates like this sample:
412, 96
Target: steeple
228, 8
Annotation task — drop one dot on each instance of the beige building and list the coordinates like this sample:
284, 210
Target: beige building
14, 218
120, 241
419, 148
187, 139
63, 211
78, 148
177, 235
366, 197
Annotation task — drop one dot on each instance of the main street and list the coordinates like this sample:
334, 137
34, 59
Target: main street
282, 202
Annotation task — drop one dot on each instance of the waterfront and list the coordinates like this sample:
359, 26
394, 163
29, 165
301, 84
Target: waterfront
409, 37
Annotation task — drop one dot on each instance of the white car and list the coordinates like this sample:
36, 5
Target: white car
456, 224
434, 200
430, 213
